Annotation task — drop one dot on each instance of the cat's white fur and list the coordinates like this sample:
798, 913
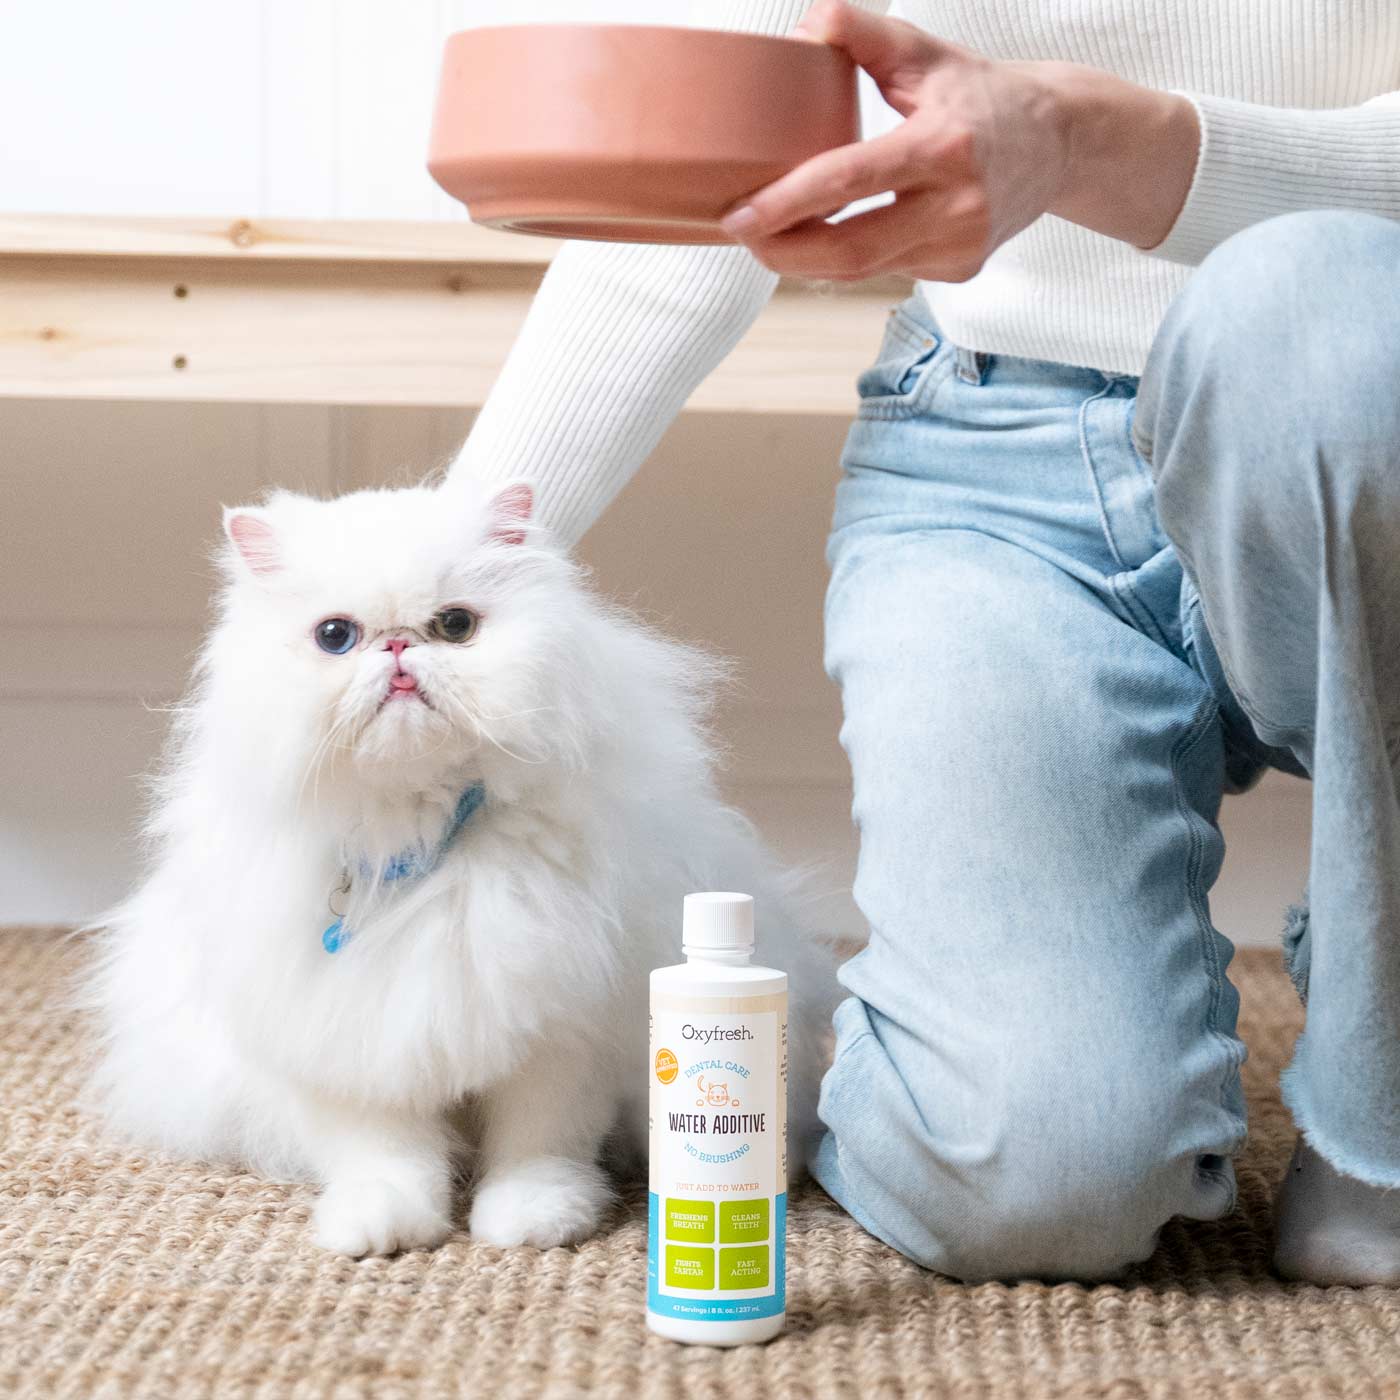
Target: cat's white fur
510, 982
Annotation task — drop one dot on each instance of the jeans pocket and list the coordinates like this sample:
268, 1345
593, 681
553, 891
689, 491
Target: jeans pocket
896, 383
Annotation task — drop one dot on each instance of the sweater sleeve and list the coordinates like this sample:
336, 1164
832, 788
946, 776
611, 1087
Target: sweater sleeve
1256, 162
617, 339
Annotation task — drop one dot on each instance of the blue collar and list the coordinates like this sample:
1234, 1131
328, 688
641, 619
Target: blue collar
413, 863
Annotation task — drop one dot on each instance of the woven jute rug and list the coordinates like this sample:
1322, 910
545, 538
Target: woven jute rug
126, 1276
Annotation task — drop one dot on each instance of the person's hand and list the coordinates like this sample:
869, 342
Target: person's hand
985, 149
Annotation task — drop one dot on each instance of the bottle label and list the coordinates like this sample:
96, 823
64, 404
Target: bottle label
717, 1206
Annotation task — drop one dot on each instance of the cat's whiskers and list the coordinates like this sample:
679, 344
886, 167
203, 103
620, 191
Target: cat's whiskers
312, 764
491, 739
328, 741
173, 708
520, 714
459, 711
441, 744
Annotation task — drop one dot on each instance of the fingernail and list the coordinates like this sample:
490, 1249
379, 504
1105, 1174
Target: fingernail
740, 222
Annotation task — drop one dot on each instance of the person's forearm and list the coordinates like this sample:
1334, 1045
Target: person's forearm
616, 341
1131, 152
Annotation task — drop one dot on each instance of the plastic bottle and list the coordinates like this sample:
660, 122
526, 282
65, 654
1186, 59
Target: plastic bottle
717, 1207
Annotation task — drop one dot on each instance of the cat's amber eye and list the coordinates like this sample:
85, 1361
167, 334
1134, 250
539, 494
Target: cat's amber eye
455, 625
336, 635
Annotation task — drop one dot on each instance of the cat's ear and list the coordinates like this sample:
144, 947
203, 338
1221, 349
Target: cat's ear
511, 509
254, 538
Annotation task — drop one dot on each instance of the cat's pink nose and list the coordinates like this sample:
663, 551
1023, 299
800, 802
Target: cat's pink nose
396, 645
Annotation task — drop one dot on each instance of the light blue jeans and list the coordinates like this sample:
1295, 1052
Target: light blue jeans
1067, 611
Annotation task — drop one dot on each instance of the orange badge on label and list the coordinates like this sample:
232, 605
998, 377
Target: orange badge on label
666, 1066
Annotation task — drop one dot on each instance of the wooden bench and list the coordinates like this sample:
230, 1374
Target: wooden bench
336, 312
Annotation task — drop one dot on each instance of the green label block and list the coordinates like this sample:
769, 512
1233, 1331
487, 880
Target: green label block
687, 1267
746, 1267
692, 1221
743, 1222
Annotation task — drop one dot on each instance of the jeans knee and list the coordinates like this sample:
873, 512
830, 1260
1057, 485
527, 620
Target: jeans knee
1059, 1211
1029, 1185
1269, 391
1029, 1222
1310, 240
1298, 275
1301, 304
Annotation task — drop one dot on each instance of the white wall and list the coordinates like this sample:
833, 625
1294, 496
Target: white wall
291, 108
319, 108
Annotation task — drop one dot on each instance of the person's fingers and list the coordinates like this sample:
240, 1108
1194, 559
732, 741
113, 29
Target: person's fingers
845, 251
894, 53
895, 161
928, 229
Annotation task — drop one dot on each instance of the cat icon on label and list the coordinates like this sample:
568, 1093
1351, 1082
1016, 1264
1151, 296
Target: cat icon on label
715, 1095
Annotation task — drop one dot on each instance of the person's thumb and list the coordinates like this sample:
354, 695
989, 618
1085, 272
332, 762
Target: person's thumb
897, 55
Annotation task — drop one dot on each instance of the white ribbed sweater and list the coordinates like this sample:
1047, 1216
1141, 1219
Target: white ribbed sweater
1299, 109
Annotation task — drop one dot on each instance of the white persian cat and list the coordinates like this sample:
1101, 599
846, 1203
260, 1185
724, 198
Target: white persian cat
424, 827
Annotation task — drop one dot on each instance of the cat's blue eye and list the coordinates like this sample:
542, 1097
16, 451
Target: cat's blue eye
337, 635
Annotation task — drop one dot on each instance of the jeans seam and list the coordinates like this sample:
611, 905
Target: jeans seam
864, 1034
1141, 616
1088, 458
1205, 930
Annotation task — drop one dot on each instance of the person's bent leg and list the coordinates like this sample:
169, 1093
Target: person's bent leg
1037, 1066
1270, 411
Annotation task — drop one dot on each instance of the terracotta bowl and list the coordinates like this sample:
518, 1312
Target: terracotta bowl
629, 133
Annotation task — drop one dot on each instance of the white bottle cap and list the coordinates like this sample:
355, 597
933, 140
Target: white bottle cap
717, 921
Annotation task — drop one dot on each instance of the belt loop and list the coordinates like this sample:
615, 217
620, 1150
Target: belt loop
972, 365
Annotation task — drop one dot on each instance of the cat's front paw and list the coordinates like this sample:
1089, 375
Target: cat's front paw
544, 1202
377, 1217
